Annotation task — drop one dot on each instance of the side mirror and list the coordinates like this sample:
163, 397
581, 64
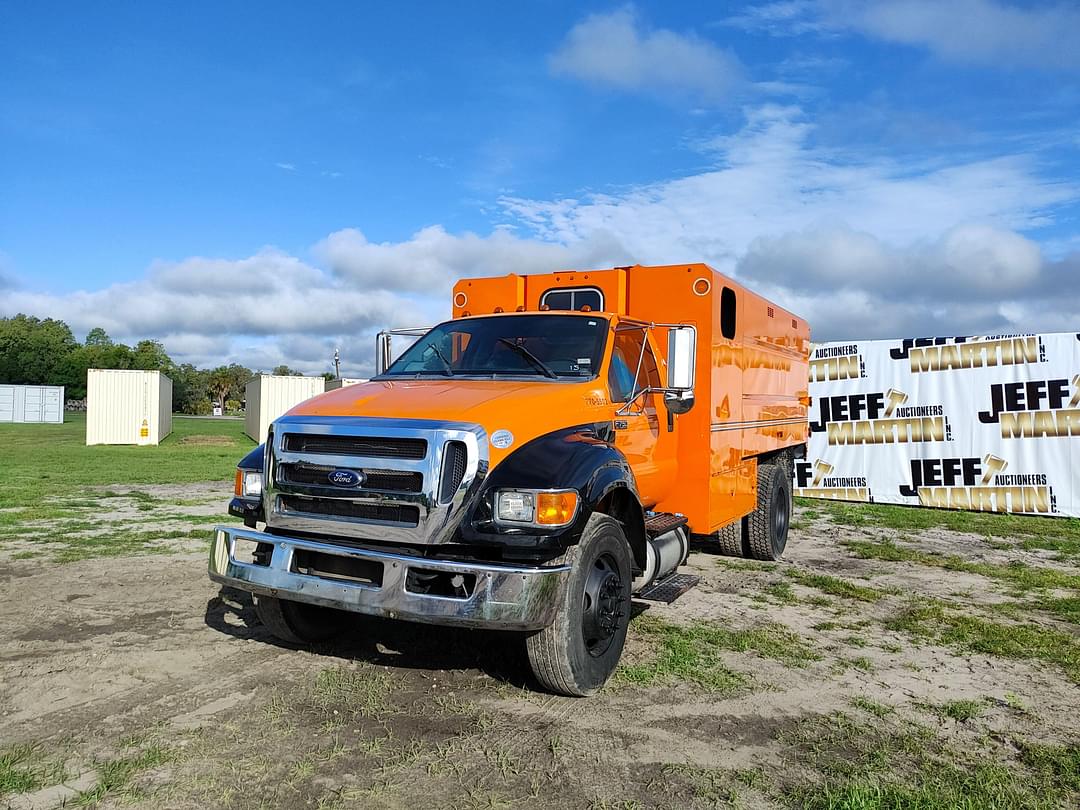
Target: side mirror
679, 403
681, 362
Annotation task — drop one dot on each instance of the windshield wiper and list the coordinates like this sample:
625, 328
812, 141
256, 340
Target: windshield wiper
536, 362
442, 357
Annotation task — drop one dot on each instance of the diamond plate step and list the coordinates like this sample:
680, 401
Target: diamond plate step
669, 588
660, 522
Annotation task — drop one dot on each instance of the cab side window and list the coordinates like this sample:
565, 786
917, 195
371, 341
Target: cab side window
624, 362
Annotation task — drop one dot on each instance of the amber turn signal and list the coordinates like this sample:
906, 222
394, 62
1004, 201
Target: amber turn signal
555, 508
238, 485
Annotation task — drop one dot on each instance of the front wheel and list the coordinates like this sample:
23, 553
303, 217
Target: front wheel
578, 651
298, 622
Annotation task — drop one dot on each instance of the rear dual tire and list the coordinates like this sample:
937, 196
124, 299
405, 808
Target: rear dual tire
762, 535
765, 530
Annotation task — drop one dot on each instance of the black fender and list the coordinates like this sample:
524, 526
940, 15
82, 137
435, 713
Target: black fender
250, 511
582, 458
254, 459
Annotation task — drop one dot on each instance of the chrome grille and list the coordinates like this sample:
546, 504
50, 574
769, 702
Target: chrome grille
335, 507
415, 476
316, 475
372, 447
453, 470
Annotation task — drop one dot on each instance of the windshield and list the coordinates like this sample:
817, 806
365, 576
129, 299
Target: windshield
549, 346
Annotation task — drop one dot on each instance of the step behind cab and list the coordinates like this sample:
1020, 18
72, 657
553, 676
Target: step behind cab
531, 462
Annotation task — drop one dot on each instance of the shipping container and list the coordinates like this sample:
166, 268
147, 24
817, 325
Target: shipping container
268, 396
32, 403
127, 407
343, 382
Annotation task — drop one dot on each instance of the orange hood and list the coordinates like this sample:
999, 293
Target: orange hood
526, 409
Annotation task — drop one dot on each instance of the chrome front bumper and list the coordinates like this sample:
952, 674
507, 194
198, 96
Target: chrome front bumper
504, 597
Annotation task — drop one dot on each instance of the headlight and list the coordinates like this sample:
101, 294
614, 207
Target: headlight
519, 507
533, 507
248, 484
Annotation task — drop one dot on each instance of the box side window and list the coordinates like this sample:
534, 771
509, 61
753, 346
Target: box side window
727, 313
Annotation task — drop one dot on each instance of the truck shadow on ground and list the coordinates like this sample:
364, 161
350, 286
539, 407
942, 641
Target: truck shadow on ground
387, 642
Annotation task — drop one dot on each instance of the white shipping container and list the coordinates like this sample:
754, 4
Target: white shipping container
32, 403
127, 407
268, 396
344, 382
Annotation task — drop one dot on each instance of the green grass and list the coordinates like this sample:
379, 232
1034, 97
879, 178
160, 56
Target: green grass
116, 776
890, 764
694, 653
933, 621
835, 586
23, 768
959, 710
52, 493
1020, 577
937, 786
351, 692
715, 786
780, 593
1058, 764
126, 543
43, 460
869, 706
1056, 534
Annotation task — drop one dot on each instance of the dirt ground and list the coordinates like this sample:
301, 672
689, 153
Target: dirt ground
133, 678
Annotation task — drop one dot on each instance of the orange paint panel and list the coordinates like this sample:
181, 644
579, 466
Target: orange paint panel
484, 296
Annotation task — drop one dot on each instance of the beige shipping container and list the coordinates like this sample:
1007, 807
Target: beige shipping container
343, 382
268, 396
32, 403
127, 407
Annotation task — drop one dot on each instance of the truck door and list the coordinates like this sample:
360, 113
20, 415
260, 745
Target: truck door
641, 426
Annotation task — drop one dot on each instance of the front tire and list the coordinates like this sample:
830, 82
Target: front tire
578, 651
298, 622
766, 528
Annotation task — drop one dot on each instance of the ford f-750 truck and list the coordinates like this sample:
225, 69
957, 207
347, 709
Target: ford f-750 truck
530, 464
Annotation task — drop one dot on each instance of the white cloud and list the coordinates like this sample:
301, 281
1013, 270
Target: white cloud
976, 32
985, 32
288, 167
860, 245
432, 259
784, 18
205, 310
616, 50
769, 180
863, 247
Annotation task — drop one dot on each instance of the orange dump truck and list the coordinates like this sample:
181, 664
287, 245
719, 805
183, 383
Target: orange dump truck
531, 464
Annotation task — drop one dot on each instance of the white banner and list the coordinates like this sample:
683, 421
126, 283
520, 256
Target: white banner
984, 423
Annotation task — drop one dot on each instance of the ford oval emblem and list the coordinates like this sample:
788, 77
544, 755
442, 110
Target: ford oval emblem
345, 478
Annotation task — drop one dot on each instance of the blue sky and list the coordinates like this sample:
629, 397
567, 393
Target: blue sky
265, 183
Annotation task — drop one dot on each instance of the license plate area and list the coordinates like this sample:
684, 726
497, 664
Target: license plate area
336, 567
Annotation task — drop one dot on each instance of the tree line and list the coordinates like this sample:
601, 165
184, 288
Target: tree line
35, 351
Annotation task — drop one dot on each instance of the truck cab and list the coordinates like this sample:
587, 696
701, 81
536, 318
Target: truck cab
530, 464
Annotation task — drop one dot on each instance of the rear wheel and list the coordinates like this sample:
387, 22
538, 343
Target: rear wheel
298, 622
730, 539
578, 651
766, 528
